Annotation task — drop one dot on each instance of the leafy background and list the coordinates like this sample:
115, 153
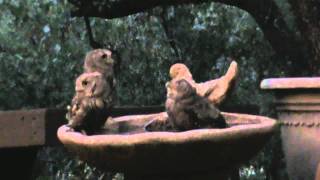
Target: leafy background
42, 49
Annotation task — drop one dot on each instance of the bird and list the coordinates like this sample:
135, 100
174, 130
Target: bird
94, 85
187, 110
215, 90
100, 60
90, 104
95, 93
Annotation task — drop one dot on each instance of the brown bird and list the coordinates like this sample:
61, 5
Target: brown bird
215, 90
89, 107
94, 85
95, 92
100, 60
187, 110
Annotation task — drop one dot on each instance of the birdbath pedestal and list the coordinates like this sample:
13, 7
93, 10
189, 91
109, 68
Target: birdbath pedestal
126, 147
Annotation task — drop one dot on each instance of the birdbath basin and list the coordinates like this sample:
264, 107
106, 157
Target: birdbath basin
126, 147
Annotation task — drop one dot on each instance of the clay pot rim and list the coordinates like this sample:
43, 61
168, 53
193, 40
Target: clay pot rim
267, 125
291, 83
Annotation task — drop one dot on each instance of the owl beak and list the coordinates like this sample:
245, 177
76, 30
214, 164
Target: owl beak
110, 61
167, 84
78, 89
171, 74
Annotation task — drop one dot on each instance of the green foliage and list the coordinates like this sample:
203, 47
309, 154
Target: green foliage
205, 37
38, 57
63, 166
42, 49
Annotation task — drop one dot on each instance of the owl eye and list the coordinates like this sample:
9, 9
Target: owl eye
84, 83
104, 56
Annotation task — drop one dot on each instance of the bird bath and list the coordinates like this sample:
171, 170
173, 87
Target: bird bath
126, 147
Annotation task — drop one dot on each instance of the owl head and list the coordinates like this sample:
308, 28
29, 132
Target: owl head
99, 60
91, 85
180, 89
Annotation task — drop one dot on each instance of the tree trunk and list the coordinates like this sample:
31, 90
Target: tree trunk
307, 15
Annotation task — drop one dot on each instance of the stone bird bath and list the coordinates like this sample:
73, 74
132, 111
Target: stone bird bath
126, 147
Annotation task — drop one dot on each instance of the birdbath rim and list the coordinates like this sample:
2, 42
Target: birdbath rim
170, 137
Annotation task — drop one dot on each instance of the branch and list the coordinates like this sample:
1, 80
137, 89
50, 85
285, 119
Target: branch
307, 14
94, 44
283, 41
110, 9
169, 35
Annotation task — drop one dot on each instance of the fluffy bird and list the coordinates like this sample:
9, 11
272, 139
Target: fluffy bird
215, 90
187, 110
94, 85
95, 92
89, 106
100, 60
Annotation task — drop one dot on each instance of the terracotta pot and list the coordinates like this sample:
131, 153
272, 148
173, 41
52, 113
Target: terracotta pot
132, 150
298, 106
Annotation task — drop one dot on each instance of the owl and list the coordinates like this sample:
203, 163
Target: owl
100, 60
187, 110
94, 85
90, 106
